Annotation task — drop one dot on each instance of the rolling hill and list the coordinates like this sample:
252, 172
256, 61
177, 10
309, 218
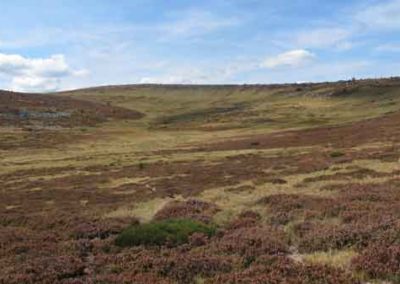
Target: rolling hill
294, 183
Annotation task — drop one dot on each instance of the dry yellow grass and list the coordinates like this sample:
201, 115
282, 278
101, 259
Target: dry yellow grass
233, 202
144, 211
335, 258
114, 183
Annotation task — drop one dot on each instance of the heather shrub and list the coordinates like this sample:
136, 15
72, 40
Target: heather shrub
198, 239
183, 268
251, 242
101, 228
323, 237
379, 262
284, 208
191, 209
47, 270
250, 214
165, 263
167, 232
245, 219
128, 278
280, 269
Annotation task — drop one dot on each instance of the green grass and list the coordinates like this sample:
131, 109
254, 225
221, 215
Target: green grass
172, 232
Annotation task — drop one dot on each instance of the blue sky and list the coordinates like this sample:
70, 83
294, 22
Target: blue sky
48, 45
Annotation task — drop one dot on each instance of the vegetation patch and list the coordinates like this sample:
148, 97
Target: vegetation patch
380, 262
167, 232
340, 258
336, 154
191, 209
286, 210
281, 269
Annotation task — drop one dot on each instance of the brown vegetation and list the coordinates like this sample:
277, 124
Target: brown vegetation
274, 199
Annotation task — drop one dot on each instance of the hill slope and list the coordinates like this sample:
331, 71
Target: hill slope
301, 182
25, 109
270, 107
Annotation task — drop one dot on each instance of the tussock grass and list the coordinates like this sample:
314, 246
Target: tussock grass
233, 202
114, 183
144, 211
335, 258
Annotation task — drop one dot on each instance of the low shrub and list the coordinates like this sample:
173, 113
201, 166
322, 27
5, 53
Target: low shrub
190, 209
245, 219
167, 232
101, 229
164, 265
128, 278
284, 208
183, 268
251, 242
316, 236
379, 262
281, 269
47, 270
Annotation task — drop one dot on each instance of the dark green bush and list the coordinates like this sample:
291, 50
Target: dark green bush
141, 166
172, 232
336, 154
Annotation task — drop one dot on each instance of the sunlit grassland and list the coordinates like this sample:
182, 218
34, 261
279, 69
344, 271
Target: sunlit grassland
260, 110
248, 108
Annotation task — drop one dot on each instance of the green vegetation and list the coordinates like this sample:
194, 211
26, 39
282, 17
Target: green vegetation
173, 232
336, 154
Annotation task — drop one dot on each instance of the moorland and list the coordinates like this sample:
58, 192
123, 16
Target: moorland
292, 183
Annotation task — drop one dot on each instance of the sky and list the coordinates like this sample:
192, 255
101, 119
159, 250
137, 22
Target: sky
48, 45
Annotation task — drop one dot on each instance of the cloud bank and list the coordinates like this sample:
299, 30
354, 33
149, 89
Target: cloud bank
36, 74
293, 58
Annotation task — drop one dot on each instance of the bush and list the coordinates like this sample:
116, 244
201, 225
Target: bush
171, 232
336, 154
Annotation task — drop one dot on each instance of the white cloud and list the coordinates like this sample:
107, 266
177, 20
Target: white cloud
194, 22
381, 16
389, 47
166, 80
324, 37
34, 84
293, 59
179, 75
36, 74
345, 33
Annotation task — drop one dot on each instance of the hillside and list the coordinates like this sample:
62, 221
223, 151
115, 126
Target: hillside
293, 183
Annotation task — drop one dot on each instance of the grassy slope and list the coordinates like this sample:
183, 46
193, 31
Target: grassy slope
262, 109
251, 107
194, 115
